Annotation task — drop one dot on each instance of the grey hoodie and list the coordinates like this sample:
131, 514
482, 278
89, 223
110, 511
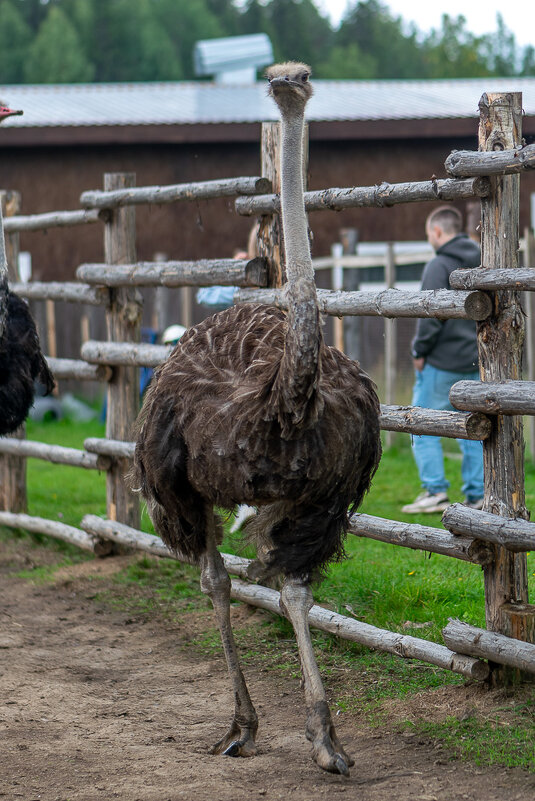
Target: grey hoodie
448, 344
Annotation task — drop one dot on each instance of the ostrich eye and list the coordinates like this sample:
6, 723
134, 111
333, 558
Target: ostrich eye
304, 77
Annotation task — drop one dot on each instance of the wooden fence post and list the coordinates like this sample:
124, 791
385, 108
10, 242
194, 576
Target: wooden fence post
500, 342
390, 341
270, 245
13, 497
123, 320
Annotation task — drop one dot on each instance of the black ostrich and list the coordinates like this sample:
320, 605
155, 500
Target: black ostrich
21, 360
252, 407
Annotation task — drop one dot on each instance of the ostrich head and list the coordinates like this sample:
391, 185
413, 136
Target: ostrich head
289, 85
7, 112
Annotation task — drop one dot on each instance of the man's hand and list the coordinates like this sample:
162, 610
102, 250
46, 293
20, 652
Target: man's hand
419, 364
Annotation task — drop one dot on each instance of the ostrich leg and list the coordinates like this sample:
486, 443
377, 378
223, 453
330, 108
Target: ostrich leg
215, 582
296, 601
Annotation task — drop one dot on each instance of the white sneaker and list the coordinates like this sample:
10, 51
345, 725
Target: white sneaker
243, 513
426, 503
474, 504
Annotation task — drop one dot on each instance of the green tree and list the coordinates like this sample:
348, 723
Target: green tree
381, 36
298, 32
453, 52
56, 55
347, 61
187, 22
15, 36
500, 50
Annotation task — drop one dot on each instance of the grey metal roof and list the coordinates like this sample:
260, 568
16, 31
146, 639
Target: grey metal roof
200, 102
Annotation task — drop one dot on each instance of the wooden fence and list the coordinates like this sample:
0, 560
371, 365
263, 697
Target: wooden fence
496, 538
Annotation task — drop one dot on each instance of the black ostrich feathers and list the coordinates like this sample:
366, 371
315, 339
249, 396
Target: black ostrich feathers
21, 365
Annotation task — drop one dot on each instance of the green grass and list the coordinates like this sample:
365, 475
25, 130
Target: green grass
388, 586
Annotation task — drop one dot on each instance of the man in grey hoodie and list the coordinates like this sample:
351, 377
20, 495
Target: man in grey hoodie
443, 352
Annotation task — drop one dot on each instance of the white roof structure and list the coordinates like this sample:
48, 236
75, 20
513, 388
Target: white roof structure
190, 103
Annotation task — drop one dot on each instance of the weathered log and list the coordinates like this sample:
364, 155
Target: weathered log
53, 219
205, 272
13, 494
417, 420
61, 531
424, 538
445, 304
514, 534
269, 238
67, 291
379, 196
462, 163
200, 190
402, 645
124, 353
75, 368
500, 344
56, 454
123, 322
490, 645
132, 538
494, 397
265, 598
110, 447
487, 279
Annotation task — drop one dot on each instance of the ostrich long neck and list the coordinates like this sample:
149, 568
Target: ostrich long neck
299, 369
3, 278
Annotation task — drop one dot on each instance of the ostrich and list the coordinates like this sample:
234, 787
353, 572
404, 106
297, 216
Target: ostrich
21, 360
252, 407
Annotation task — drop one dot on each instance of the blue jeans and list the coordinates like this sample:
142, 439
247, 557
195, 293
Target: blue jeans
431, 390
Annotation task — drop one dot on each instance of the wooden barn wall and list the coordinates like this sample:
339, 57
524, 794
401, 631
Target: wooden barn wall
52, 178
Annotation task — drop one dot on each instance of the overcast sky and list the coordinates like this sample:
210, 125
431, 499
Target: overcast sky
480, 15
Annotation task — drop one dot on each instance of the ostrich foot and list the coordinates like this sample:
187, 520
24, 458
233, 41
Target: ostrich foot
327, 750
234, 745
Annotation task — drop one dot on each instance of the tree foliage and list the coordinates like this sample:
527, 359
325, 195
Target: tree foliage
64, 41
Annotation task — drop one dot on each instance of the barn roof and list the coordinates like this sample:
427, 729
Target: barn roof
193, 103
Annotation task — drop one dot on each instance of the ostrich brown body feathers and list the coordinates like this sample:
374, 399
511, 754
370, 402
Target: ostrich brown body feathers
21, 364
216, 429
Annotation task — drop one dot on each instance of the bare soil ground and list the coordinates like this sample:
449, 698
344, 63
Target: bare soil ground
97, 704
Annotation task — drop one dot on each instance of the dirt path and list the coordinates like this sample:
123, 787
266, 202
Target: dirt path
98, 705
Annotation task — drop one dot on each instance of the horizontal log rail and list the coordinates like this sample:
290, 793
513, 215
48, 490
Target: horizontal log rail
205, 272
110, 447
445, 304
484, 644
200, 190
52, 219
417, 420
503, 397
124, 353
377, 196
67, 291
487, 279
76, 368
53, 528
406, 419
400, 644
516, 534
53, 453
462, 163
418, 537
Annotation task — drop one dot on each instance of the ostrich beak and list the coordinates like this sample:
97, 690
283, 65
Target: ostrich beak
8, 112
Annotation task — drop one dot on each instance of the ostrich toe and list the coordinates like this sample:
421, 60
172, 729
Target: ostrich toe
327, 750
234, 745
